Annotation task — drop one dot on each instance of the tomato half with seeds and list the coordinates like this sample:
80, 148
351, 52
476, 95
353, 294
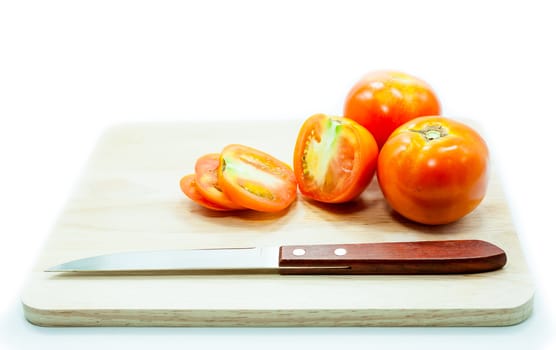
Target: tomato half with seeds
206, 179
434, 170
383, 100
190, 189
334, 159
255, 179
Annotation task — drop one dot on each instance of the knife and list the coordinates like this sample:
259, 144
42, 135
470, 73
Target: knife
420, 257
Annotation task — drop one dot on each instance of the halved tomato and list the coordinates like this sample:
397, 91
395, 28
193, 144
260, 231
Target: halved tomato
206, 178
190, 189
256, 180
334, 159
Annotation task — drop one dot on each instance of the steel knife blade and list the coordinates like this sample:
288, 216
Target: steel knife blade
418, 257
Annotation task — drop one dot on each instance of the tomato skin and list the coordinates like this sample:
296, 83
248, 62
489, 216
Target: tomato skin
334, 159
190, 189
434, 181
383, 100
255, 179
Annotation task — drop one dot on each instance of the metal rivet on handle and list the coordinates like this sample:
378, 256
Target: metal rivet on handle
340, 251
299, 252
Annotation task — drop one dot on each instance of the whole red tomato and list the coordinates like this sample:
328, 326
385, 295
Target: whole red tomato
433, 170
383, 100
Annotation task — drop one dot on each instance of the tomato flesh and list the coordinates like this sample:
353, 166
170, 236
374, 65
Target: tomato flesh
334, 159
206, 179
256, 180
191, 190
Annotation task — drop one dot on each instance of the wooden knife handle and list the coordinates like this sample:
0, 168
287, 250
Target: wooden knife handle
423, 257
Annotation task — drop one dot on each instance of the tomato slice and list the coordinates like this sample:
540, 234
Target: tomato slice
190, 189
206, 178
255, 179
334, 159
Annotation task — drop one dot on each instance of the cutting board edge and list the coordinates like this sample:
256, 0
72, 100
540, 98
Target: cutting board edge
132, 317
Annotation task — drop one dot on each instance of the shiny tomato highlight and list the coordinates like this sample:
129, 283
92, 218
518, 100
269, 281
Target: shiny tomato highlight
434, 170
383, 100
334, 159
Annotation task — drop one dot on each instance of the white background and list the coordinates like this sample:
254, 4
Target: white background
68, 69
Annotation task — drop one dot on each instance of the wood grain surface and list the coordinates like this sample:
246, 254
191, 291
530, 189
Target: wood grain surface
128, 199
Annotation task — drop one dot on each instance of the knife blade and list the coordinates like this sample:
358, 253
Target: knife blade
419, 257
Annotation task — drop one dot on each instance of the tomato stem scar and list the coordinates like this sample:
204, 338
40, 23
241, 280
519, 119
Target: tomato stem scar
432, 132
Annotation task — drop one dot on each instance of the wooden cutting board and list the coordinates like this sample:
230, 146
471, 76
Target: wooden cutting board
128, 199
